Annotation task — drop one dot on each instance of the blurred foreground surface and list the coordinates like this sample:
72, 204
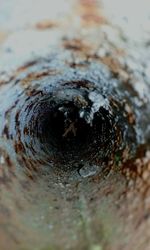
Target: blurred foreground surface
66, 209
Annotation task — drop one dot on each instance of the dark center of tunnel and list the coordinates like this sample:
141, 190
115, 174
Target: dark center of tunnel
71, 138
67, 127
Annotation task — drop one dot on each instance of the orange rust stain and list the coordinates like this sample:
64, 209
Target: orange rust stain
137, 172
112, 63
130, 115
19, 147
45, 24
120, 52
3, 36
76, 45
91, 12
24, 67
92, 18
38, 75
31, 76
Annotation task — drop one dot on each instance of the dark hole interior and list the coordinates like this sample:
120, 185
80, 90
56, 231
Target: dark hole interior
71, 137
66, 133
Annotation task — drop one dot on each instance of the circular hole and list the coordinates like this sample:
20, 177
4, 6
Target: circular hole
68, 137
70, 126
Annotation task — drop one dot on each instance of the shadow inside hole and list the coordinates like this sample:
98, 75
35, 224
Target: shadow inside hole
71, 138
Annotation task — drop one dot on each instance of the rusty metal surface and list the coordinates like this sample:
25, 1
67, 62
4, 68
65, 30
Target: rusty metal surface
81, 181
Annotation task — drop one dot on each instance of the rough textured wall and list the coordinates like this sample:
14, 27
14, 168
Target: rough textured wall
74, 125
